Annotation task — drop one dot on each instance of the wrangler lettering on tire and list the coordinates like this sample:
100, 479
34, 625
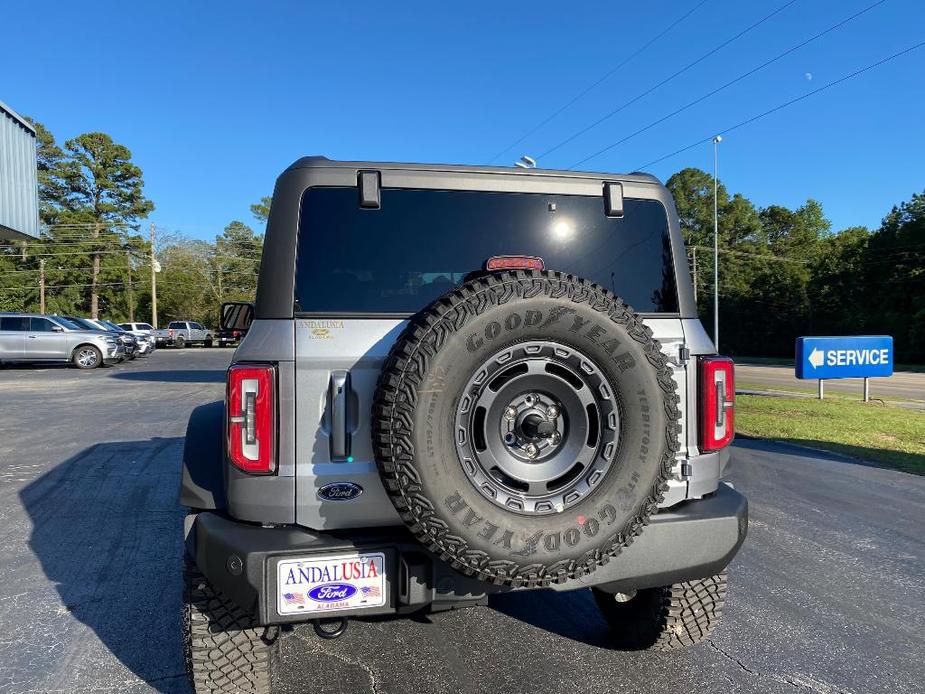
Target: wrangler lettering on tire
525, 425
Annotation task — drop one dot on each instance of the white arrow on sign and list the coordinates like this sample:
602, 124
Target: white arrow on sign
816, 357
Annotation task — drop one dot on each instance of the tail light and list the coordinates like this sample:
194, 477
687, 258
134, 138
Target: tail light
250, 409
717, 402
170, 333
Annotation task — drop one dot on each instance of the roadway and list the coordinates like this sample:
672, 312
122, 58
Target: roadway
824, 597
903, 384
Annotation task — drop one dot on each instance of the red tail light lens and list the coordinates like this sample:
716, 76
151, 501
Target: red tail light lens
250, 411
717, 402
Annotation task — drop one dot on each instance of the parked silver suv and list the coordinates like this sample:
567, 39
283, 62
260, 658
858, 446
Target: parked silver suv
33, 337
459, 381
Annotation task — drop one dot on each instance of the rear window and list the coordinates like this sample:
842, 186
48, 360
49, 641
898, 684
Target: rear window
421, 243
177, 326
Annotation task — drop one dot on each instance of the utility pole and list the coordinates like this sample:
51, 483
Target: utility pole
41, 285
153, 282
131, 299
94, 289
716, 141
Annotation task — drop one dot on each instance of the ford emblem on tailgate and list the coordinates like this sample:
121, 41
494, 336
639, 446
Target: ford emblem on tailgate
332, 592
340, 491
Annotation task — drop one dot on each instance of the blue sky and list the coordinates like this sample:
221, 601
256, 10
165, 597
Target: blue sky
216, 99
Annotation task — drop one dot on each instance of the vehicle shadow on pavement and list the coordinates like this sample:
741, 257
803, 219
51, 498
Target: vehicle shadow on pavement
174, 376
107, 530
572, 615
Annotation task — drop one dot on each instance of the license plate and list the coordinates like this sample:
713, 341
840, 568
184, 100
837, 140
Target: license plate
326, 583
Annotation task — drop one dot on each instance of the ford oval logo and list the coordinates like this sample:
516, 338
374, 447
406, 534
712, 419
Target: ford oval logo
332, 592
340, 491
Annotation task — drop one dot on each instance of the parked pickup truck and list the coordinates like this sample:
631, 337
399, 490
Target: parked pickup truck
183, 333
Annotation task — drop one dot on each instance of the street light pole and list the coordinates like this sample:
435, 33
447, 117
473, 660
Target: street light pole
716, 141
153, 281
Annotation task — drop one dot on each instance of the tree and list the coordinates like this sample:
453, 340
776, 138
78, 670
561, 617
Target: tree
104, 190
894, 276
236, 260
49, 159
261, 210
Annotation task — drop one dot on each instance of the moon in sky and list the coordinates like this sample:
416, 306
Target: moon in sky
809, 76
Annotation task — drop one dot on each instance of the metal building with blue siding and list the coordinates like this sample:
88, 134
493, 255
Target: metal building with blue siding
19, 197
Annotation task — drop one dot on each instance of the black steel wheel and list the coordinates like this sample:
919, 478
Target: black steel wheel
537, 427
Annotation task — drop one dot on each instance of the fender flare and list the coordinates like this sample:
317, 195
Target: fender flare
202, 483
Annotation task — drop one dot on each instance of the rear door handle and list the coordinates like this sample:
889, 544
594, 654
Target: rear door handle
338, 402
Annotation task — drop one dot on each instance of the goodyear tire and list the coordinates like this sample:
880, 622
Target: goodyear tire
525, 425
665, 618
180, 342
226, 650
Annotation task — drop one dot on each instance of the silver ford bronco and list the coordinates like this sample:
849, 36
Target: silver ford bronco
460, 381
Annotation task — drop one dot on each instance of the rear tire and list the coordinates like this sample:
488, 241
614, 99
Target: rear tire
180, 342
226, 650
87, 357
665, 618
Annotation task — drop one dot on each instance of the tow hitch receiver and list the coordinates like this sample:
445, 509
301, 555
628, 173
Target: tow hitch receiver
332, 628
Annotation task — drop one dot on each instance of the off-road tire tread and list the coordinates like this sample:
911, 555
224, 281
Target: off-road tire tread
678, 616
396, 395
226, 650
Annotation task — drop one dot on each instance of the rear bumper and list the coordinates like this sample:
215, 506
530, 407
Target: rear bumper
693, 540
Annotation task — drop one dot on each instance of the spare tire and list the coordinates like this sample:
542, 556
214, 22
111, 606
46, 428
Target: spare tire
525, 425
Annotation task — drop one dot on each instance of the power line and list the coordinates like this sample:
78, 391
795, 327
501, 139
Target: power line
784, 105
666, 80
603, 78
729, 83
754, 255
68, 286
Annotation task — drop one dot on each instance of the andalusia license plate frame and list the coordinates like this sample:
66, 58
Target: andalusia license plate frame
323, 583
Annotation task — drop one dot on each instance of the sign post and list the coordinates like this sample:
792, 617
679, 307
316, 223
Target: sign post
857, 356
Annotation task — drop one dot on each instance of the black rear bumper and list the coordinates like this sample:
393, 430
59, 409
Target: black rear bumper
693, 540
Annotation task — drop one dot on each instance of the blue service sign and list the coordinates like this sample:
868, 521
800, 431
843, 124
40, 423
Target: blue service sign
856, 356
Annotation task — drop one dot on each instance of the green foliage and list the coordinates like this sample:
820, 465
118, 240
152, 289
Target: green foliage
888, 435
261, 210
783, 273
198, 276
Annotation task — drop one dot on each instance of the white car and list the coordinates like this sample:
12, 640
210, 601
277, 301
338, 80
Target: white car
144, 331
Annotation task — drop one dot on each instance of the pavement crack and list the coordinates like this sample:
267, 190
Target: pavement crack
373, 680
796, 681
735, 660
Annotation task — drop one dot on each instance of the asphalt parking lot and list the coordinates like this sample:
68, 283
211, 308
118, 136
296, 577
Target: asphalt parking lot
825, 597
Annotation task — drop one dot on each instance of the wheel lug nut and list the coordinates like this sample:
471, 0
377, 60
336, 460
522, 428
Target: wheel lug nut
510, 412
556, 437
531, 450
552, 411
